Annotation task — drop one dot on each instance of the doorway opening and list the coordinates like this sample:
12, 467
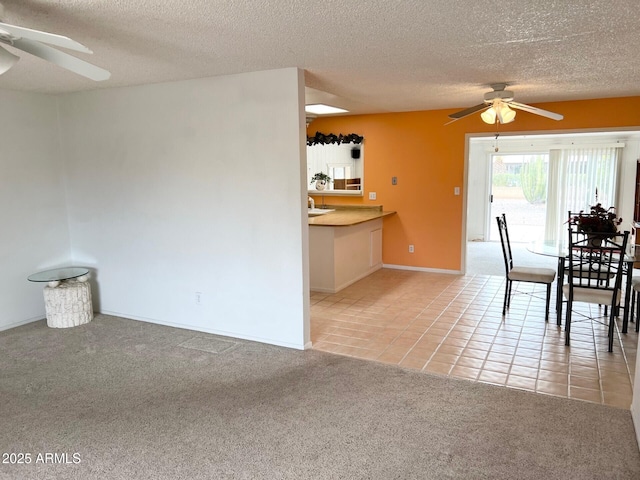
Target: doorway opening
580, 168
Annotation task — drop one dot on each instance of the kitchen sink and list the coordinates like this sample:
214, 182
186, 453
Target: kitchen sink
314, 212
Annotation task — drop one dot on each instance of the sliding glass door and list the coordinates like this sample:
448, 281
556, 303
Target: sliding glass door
519, 190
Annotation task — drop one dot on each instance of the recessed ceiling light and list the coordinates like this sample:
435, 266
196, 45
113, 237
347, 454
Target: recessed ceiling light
321, 109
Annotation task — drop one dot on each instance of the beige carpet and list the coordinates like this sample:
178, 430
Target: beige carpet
485, 258
135, 400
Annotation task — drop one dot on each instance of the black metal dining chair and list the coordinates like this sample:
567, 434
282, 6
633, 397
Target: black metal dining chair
592, 267
602, 277
521, 274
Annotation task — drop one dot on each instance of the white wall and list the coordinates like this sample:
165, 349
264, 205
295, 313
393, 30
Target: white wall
33, 218
194, 186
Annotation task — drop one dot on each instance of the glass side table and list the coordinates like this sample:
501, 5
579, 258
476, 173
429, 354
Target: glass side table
67, 296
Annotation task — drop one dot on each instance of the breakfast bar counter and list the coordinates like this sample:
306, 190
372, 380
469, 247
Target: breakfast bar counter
345, 245
347, 216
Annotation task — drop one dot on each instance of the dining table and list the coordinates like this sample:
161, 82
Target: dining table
560, 250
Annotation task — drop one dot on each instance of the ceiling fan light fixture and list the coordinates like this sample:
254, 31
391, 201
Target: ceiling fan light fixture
7, 60
505, 114
489, 115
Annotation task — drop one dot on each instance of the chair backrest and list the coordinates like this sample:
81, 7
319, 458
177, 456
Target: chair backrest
594, 260
506, 244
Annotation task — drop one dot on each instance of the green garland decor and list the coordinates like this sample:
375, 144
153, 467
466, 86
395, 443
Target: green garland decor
322, 139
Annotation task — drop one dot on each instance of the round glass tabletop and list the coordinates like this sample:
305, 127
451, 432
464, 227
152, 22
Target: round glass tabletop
561, 250
58, 274
548, 248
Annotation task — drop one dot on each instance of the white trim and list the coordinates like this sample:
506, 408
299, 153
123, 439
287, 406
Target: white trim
337, 193
516, 150
537, 149
205, 330
21, 322
561, 133
324, 290
588, 145
422, 269
465, 189
488, 192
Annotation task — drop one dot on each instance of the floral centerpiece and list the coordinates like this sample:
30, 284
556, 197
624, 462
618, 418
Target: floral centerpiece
599, 222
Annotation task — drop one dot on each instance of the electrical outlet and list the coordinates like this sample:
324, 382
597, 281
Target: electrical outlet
411, 249
372, 195
198, 298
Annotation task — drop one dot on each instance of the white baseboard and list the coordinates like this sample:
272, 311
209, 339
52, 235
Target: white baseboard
20, 322
422, 269
213, 331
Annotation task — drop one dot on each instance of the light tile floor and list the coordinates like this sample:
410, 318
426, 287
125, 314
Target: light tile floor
452, 325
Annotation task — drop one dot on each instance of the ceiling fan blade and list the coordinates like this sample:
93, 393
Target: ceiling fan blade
62, 59
452, 120
468, 111
49, 38
536, 110
7, 60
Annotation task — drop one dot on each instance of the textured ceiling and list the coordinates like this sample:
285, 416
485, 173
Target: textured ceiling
369, 55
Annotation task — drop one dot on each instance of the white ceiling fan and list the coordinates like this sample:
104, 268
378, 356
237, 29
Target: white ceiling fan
498, 106
33, 42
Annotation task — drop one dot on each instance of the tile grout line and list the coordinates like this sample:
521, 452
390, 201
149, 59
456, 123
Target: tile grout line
457, 299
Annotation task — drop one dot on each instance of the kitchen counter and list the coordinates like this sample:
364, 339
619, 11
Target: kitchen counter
344, 246
345, 216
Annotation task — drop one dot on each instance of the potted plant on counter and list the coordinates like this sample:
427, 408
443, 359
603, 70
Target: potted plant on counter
321, 180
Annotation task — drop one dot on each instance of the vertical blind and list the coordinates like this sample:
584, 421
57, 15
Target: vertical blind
575, 175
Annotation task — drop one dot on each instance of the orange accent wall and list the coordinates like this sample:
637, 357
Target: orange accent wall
428, 159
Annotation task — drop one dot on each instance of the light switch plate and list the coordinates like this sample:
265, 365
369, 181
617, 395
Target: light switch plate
372, 195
